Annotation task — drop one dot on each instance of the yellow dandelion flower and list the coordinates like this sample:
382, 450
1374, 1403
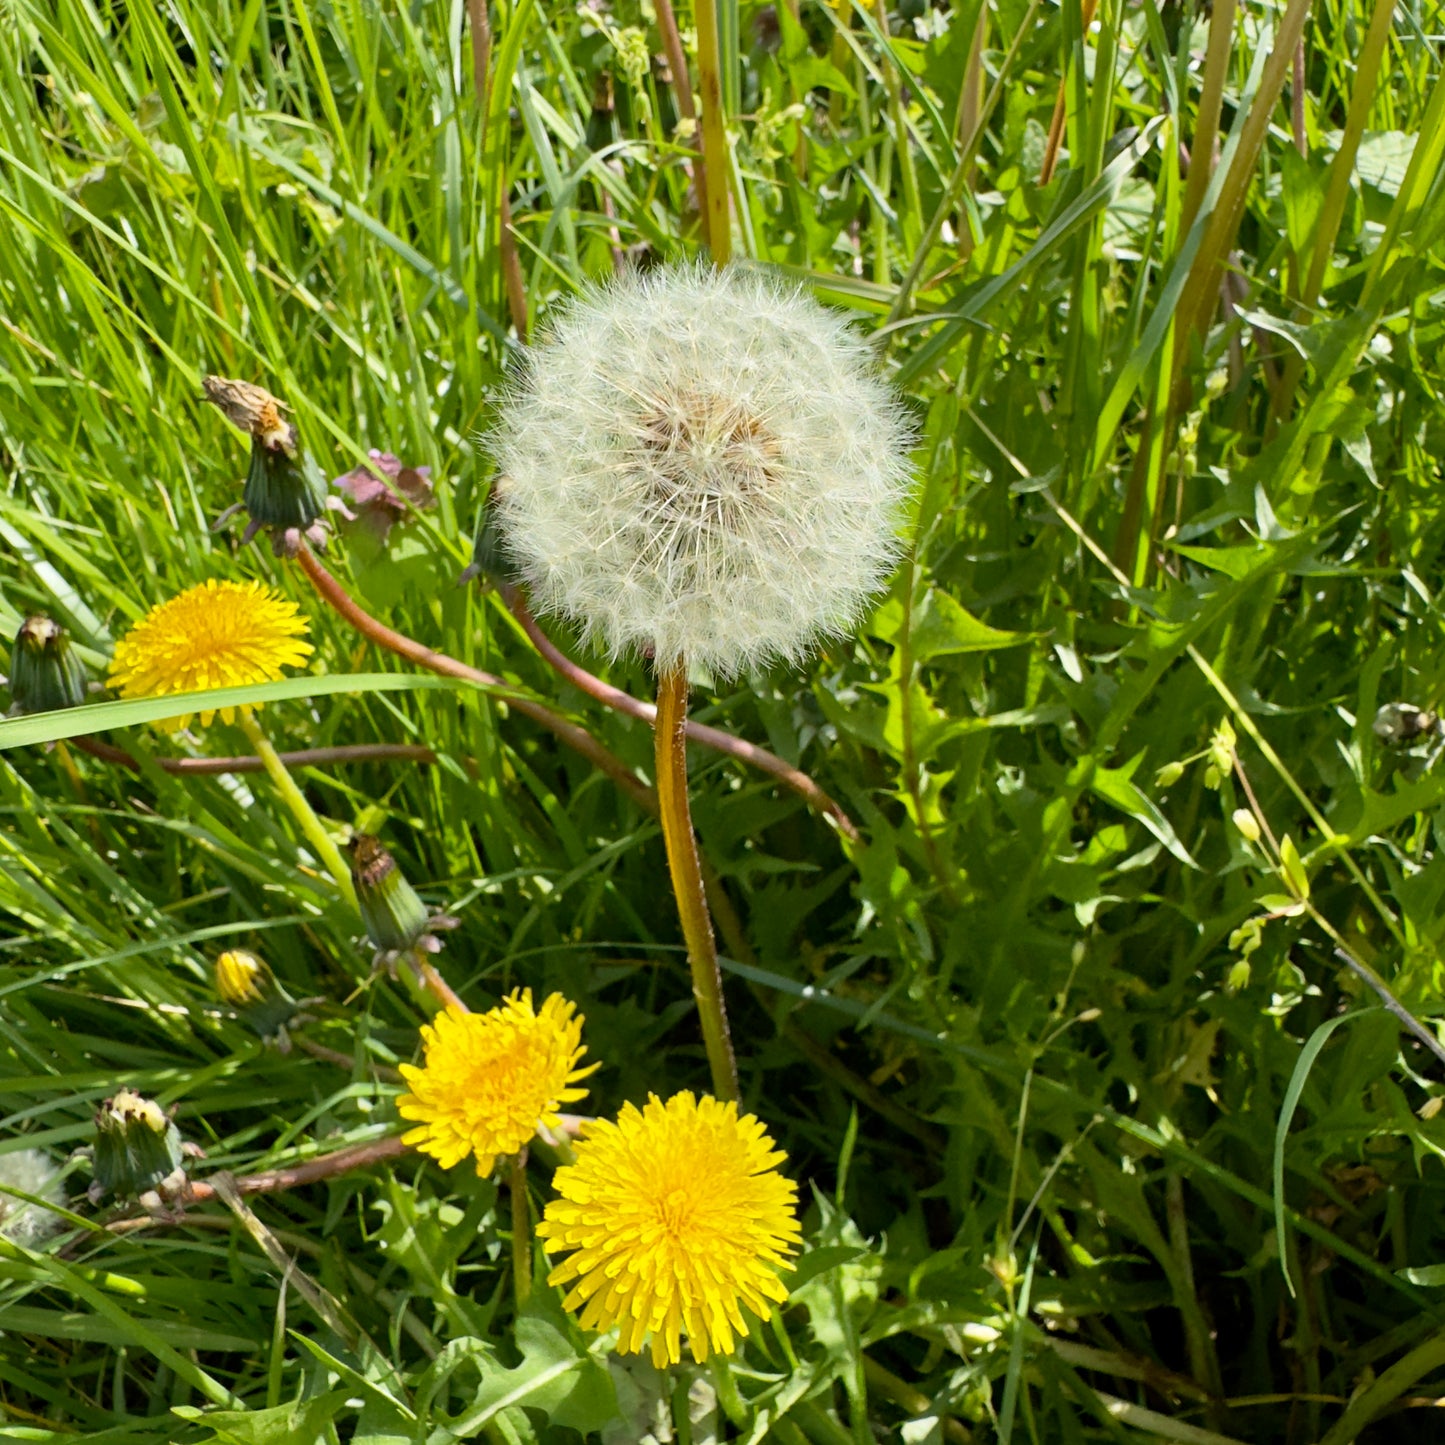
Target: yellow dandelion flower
491, 1080
677, 1215
219, 634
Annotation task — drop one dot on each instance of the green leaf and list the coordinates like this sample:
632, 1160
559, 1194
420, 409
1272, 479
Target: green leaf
282, 1425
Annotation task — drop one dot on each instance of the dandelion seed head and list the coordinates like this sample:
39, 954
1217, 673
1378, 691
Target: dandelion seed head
702, 464
32, 1171
677, 1219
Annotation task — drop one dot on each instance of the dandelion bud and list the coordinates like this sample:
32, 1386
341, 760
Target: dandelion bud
397, 921
44, 673
285, 495
246, 983
137, 1149
702, 465
32, 1171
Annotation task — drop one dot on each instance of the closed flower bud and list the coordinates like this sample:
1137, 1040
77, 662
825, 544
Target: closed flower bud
1168, 775
285, 495
397, 921
137, 1149
1247, 824
246, 983
44, 673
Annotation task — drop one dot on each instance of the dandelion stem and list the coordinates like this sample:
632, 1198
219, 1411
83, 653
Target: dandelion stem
670, 740
442, 991
723, 742
718, 223
305, 758
301, 810
579, 739
521, 1229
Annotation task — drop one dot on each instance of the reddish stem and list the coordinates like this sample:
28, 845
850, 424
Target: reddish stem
723, 742
575, 737
307, 757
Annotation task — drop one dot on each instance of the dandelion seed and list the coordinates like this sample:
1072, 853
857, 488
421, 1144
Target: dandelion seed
219, 634
32, 1171
679, 1220
490, 1081
702, 465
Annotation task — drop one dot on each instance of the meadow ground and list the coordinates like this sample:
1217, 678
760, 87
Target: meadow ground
1082, 939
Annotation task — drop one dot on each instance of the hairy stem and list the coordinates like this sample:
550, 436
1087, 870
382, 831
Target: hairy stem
301, 810
670, 740
723, 742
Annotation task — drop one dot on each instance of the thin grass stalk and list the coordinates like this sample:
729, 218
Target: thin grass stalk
958, 179
970, 103
1201, 288
670, 739
1061, 101
717, 223
304, 758
682, 92
1342, 168
1206, 121
322, 841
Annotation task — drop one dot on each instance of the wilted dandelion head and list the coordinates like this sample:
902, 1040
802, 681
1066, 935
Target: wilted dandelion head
702, 464
677, 1216
219, 634
490, 1080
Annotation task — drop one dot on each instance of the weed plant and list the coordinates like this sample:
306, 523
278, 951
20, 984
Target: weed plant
1095, 1016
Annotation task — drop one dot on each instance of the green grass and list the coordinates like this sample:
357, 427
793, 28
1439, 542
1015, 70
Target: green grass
1036, 1067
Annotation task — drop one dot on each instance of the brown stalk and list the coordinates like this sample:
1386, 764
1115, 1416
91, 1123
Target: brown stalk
682, 89
669, 739
577, 738
325, 1166
624, 702
306, 758
1056, 124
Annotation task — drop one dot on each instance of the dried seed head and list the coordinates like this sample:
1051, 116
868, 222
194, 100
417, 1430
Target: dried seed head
702, 464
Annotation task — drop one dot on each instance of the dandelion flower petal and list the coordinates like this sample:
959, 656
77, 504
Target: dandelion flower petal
490, 1080
218, 634
675, 1219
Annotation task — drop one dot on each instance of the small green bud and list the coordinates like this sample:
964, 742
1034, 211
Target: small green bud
1247, 824
44, 673
284, 490
1168, 775
137, 1148
285, 494
246, 983
397, 921
1237, 977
